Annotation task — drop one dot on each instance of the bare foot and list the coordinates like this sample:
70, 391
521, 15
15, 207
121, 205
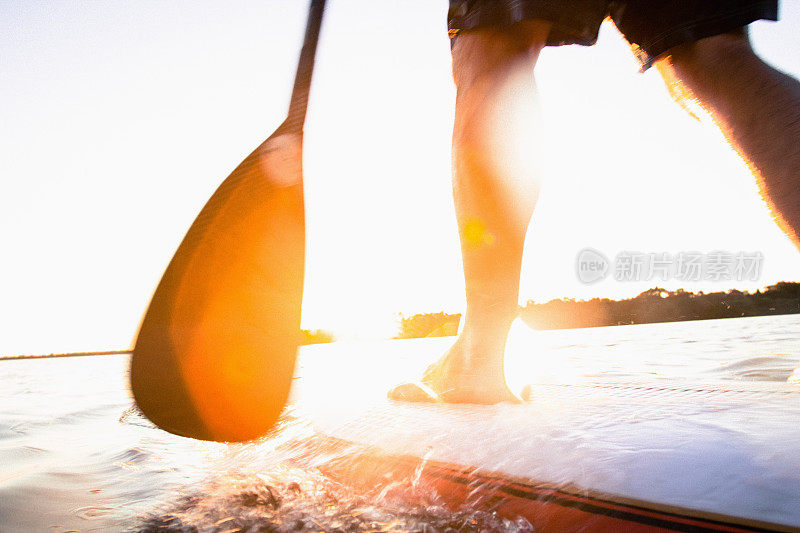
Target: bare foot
460, 376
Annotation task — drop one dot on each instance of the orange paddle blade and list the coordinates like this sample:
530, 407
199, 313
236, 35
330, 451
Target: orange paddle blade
215, 354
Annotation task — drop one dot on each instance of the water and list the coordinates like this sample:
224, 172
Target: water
75, 456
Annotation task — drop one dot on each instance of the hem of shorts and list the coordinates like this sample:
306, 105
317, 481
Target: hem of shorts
650, 52
564, 31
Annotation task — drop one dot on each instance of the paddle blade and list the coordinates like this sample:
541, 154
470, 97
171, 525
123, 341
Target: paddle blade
215, 354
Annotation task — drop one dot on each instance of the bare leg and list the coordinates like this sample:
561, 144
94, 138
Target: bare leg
755, 106
495, 189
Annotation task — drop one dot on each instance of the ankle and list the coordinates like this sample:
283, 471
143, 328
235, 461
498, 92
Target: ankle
492, 322
478, 351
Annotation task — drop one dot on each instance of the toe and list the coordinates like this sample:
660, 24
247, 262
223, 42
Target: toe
526, 393
413, 392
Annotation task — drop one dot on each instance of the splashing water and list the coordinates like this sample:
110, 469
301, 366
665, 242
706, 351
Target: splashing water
71, 462
289, 492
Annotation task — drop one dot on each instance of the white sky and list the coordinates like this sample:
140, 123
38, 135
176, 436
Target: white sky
119, 119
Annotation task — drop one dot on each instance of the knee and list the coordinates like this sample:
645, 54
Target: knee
494, 52
705, 56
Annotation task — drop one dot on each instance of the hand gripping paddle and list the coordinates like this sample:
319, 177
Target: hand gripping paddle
215, 354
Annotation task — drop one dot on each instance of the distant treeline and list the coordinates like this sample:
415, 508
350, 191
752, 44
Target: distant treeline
317, 336
428, 325
653, 305
660, 305
313, 336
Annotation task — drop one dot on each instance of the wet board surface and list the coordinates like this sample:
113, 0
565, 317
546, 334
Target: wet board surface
597, 453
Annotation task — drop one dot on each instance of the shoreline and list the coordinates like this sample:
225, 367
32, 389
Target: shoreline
69, 354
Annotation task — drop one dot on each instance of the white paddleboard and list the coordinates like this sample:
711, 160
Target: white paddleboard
595, 454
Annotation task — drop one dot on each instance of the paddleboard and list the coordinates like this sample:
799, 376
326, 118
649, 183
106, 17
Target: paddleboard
594, 454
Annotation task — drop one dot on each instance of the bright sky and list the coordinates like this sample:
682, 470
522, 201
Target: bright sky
119, 119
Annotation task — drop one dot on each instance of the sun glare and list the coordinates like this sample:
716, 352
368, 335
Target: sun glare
528, 359
515, 133
621, 165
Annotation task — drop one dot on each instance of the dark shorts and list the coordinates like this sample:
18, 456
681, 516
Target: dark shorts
651, 26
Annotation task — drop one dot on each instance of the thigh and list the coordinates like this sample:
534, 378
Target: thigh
653, 27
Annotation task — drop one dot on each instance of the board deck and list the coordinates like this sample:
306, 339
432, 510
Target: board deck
596, 455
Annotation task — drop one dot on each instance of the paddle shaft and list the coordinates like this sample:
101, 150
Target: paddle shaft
298, 105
